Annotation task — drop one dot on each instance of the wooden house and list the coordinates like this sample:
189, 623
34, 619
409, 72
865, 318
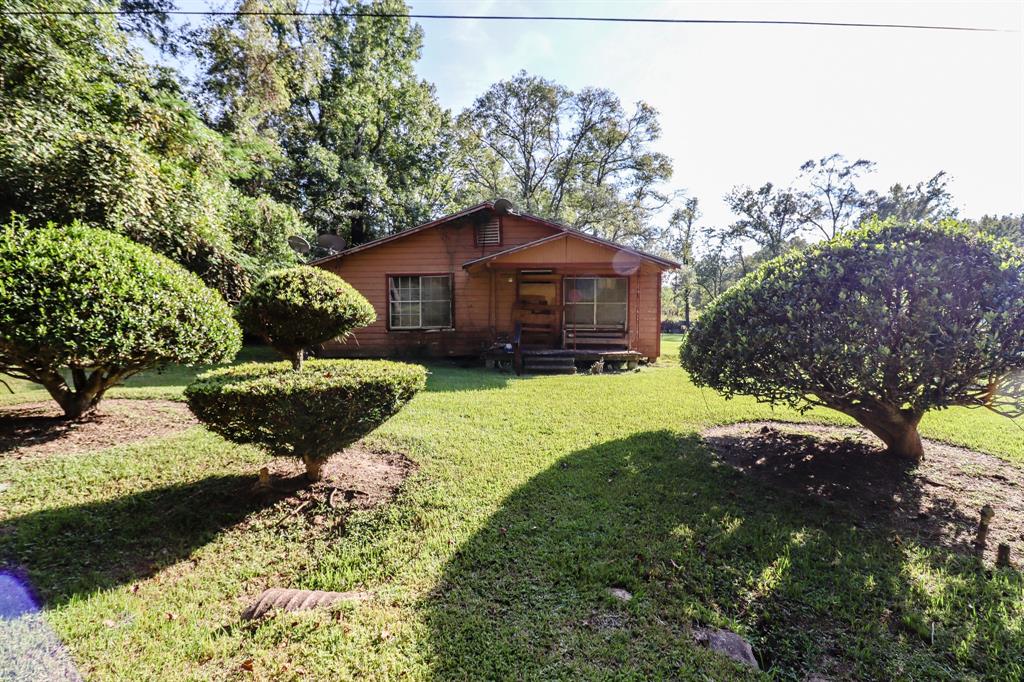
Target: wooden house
491, 280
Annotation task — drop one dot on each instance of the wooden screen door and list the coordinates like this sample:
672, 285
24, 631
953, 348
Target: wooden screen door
536, 307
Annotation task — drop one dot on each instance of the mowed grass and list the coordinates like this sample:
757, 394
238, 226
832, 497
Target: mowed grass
534, 496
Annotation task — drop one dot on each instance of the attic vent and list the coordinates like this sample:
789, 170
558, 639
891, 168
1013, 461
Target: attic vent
489, 234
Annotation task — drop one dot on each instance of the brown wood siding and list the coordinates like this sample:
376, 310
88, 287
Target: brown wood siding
442, 249
478, 320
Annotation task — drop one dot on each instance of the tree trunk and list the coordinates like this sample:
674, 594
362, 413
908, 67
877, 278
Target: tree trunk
897, 429
297, 359
314, 468
78, 404
686, 306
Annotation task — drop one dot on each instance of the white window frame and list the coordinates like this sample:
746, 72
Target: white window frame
392, 302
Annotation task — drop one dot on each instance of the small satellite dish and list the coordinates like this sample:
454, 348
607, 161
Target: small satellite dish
502, 206
331, 242
298, 244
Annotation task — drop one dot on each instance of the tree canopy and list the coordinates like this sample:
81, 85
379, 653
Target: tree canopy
332, 109
104, 308
579, 157
90, 132
882, 323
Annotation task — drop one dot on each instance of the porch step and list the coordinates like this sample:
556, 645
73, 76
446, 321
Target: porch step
549, 364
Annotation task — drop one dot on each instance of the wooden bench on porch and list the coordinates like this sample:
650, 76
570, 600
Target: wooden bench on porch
603, 336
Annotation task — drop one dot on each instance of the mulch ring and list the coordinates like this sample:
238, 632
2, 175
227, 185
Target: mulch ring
936, 503
356, 478
39, 429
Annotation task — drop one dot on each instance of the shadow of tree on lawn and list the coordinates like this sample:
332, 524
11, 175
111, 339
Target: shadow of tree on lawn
697, 542
80, 549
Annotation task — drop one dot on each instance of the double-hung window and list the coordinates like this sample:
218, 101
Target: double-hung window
420, 302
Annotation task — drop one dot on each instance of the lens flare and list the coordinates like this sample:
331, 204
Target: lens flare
29, 649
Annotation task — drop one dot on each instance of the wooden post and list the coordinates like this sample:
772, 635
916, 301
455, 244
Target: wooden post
1003, 555
982, 538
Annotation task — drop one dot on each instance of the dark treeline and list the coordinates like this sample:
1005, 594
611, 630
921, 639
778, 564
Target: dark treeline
300, 126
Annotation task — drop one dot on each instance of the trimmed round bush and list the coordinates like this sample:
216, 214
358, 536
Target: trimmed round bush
312, 412
81, 309
295, 308
882, 324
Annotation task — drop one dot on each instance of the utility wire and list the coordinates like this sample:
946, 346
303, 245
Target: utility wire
492, 17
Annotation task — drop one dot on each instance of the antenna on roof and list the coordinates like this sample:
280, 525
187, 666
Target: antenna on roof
502, 206
332, 242
298, 244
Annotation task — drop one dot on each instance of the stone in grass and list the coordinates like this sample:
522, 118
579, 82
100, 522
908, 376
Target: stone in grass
620, 594
728, 643
280, 599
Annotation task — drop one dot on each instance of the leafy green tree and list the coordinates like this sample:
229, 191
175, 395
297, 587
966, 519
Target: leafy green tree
100, 307
681, 237
89, 132
332, 105
831, 201
768, 216
883, 324
1007, 226
295, 308
927, 200
579, 157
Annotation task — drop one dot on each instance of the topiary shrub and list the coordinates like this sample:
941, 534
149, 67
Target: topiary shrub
312, 412
295, 308
882, 324
100, 307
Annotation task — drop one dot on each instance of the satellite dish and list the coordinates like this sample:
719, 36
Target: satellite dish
502, 206
298, 244
331, 242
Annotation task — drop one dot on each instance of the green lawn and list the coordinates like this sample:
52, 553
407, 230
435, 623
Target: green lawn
533, 496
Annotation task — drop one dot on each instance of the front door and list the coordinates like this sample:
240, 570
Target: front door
536, 307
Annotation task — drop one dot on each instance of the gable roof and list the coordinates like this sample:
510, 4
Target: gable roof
561, 231
482, 206
568, 233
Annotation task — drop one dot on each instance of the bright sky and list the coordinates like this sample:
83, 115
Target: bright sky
749, 104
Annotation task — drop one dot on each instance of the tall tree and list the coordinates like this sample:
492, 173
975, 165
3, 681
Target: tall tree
831, 201
579, 157
927, 200
682, 234
769, 217
89, 132
363, 141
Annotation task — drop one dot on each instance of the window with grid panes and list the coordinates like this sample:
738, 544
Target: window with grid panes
420, 301
596, 302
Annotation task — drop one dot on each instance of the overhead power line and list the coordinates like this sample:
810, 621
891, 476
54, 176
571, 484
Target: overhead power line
493, 17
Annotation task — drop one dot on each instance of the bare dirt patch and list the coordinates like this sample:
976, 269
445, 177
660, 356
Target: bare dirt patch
38, 429
935, 503
357, 478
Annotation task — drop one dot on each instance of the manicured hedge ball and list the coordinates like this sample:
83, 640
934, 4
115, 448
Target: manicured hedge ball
310, 413
295, 308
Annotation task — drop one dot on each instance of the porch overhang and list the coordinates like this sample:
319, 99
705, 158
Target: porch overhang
569, 252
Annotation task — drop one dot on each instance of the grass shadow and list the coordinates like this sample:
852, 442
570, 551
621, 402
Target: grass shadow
20, 428
80, 549
696, 542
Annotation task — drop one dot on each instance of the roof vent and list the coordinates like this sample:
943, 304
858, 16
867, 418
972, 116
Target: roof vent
489, 233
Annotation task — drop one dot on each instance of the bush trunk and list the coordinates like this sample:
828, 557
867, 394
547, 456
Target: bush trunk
314, 468
897, 429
